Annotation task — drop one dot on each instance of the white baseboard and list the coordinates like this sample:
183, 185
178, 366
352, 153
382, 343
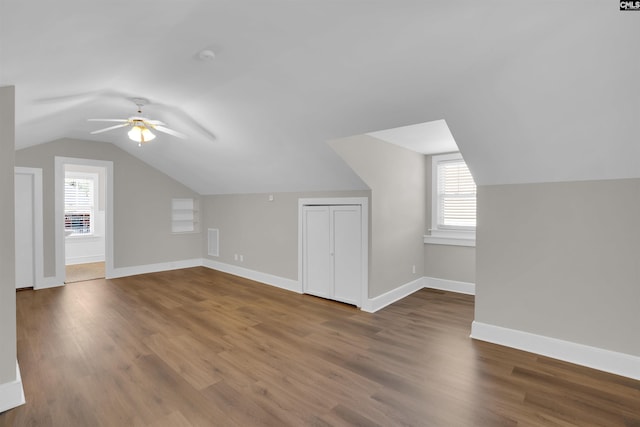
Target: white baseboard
374, 304
12, 393
49, 282
579, 354
626, 365
269, 279
84, 259
450, 285
154, 268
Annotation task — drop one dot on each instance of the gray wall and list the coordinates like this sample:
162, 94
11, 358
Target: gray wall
7, 241
264, 232
396, 177
450, 262
445, 261
142, 204
562, 260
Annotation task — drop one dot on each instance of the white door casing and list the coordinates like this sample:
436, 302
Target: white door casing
28, 227
25, 259
59, 173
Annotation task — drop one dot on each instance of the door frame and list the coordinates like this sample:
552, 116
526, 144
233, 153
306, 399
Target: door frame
60, 163
38, 245
363, 202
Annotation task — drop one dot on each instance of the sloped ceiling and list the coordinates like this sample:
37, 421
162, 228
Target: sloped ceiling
533, 91
426, 138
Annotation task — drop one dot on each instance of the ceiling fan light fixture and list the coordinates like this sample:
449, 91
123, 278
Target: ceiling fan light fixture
140, 126
140, 134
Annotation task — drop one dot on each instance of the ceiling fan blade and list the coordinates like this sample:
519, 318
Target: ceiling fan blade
170, 131
108, 120
109, 128
147, 121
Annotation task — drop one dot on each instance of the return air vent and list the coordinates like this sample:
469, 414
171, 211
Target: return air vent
213, 243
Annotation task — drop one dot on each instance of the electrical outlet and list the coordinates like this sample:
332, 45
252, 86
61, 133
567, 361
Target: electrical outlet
235, 257
241, 258
414, 269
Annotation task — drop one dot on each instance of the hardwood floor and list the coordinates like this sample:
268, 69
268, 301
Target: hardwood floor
197, 347
83, 272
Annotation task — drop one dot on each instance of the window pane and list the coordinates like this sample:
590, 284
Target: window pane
79, 223
456, 195
78, 205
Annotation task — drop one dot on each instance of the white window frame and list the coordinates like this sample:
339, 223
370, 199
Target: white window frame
462, 236
92, 221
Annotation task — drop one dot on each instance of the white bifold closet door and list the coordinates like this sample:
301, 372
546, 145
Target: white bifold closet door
332, 252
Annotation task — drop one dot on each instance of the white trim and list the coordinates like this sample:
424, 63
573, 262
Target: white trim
372, 305
50, 282
579, 354
364, 212
60, 162
269, 279
83, 238
434, 239
12, 393
153, 268
450, 285
38, 244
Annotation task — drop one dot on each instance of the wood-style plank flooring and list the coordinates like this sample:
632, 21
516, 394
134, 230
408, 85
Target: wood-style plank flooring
84, 272
197, 347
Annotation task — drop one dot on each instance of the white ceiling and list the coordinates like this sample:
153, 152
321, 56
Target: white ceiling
427, 138
544, 90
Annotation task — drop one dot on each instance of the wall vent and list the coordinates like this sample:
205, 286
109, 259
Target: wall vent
213, 236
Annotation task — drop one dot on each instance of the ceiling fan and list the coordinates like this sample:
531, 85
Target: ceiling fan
140, 126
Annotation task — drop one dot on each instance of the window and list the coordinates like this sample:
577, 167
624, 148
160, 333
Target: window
453, 218
79, 202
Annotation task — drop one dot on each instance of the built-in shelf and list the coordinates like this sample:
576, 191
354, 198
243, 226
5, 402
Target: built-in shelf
184, 215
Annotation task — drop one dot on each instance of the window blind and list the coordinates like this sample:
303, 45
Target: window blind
456, 195
78, 204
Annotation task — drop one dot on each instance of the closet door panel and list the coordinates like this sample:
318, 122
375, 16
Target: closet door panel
347, 253
318, 278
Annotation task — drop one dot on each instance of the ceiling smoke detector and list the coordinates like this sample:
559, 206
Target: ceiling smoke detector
206, 55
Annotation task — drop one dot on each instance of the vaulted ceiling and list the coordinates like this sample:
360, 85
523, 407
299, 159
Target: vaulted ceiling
545, 90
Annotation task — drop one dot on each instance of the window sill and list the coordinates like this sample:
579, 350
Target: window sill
451, 238
186, 232
85, 237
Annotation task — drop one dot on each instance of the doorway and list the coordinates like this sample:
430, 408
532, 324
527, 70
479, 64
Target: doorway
83, 219
84, 222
